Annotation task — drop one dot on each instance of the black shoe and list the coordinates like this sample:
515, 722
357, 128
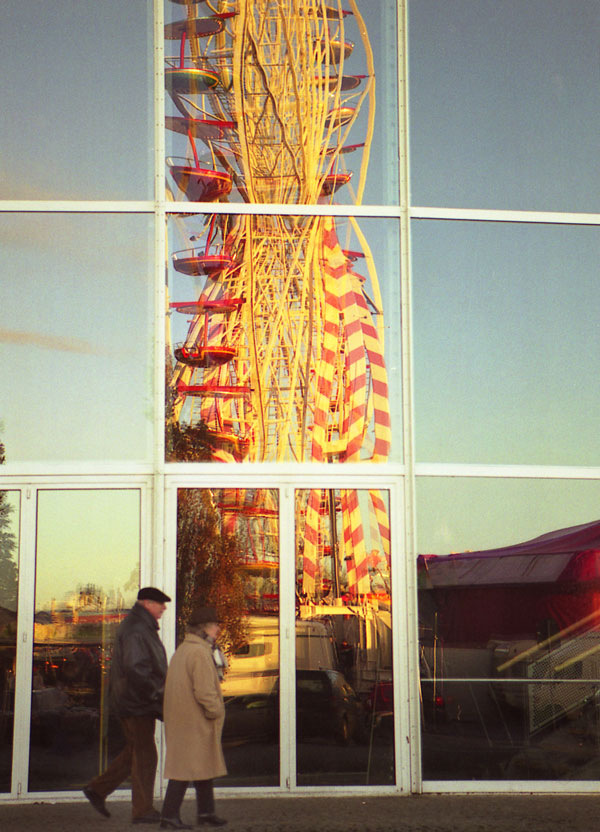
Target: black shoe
151, 817
173, 823
211, 820
97, 802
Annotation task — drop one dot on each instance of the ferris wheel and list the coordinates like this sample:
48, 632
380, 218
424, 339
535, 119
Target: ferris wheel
283, 354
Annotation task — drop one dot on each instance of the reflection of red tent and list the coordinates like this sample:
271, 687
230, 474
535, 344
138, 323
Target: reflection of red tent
516, 591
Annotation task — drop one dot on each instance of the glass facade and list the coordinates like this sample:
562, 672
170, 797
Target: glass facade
300, 236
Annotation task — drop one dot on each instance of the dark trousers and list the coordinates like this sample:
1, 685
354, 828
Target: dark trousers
205, 799
138, 759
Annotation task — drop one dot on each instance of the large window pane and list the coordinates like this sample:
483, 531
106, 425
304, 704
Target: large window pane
87, 577
255, 116
283, 339
506, 340
505, 104
76, 93
9, 562
228, 557
76, 332
344, 673
509, 628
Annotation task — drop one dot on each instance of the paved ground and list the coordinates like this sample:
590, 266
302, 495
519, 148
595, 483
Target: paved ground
427, 813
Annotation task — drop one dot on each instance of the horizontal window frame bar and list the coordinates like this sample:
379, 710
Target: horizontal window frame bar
283, 472
499, 680
493, 215
483, 470
366, 211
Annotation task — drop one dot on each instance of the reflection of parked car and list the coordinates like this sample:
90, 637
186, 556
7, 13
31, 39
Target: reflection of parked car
247, 719
326, 707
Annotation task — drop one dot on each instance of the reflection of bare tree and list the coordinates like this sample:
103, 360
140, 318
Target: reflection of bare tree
208, 565
8, 545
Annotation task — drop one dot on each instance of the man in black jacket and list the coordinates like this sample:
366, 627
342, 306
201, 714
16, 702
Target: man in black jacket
137, 683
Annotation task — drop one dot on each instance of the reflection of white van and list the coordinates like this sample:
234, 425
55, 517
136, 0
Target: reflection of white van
254, 667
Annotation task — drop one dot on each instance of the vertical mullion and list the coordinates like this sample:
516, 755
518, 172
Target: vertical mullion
287, 639
157, 566
25, 632
405, 706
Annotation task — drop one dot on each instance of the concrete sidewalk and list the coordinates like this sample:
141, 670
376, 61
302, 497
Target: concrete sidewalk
426, 813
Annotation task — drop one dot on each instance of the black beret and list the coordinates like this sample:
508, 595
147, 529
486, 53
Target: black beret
151, 593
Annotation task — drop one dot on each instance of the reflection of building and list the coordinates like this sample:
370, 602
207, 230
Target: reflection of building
526, 616
548, 584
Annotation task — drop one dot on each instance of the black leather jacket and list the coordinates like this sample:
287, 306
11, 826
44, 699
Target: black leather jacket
139, 666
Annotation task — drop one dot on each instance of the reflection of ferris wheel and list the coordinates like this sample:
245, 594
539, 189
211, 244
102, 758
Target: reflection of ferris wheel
283, 356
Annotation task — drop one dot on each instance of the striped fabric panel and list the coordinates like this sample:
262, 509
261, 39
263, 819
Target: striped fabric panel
380, 514
359, 582
311, 542
379, 382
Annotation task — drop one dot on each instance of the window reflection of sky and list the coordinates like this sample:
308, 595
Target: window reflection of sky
506, 343
505, 104
87, 538
461, 514
76, 100
75, 322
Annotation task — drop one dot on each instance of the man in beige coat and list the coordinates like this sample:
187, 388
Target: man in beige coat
194, 713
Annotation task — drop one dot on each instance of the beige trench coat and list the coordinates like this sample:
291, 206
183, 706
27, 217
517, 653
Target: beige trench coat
193, 713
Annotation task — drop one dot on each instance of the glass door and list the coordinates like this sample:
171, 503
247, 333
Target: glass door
87, 573
344, 666
228, 557
302, 579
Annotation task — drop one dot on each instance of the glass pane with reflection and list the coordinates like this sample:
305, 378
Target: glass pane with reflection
87, 578
77, 83
76, 333
499, 94
228, 557
344, 673
9, 565
506, 340
509, 626
280, 123
282, 339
